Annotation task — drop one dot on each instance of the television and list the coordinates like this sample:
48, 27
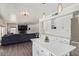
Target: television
22, 28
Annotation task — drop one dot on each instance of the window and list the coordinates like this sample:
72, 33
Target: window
2, 31
13, 30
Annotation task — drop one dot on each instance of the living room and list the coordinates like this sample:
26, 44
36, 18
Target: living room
36, 29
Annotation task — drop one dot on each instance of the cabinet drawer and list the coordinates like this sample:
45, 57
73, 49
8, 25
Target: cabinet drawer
64, 41
43, 52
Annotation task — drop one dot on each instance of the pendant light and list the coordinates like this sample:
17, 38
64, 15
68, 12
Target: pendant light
24, 13
60, 7
44, 14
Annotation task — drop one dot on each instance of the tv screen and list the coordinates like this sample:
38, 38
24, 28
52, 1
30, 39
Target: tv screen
22, 27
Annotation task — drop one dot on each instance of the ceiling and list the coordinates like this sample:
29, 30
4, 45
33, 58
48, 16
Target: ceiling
11, 11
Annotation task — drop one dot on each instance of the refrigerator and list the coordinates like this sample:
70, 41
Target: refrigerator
75, 35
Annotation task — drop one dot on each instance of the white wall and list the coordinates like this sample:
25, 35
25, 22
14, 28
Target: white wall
63, 26
62, 31
34, 28
62, 23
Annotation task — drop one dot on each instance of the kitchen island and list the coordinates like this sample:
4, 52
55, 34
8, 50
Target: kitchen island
51, 48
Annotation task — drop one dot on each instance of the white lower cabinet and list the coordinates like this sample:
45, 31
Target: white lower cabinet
53, 48
43, 51
35, 50
39, 50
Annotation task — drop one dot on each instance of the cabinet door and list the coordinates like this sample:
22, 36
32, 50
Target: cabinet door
43, 51
35, 49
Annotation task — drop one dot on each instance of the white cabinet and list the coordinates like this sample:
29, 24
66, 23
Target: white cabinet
39, 50
52, 48
35, 49
43, 51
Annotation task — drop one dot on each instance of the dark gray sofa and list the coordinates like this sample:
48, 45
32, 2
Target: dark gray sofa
17, 38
